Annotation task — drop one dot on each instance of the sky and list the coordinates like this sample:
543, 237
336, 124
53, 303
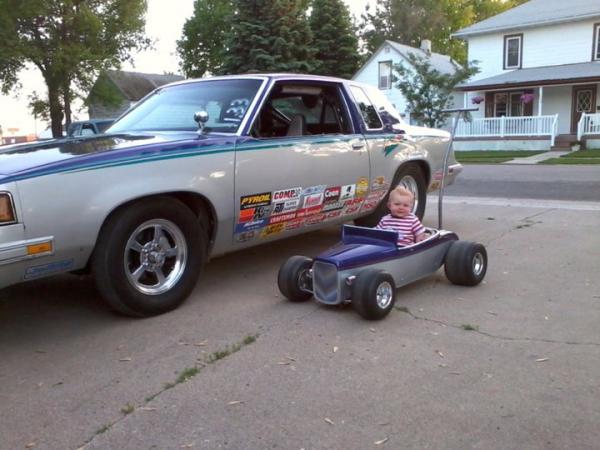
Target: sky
164, 22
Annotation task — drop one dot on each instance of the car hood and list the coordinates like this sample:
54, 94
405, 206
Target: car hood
57, 155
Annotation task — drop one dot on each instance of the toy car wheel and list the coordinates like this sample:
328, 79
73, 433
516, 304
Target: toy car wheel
148, 257
466, 263
373, 294
294, 279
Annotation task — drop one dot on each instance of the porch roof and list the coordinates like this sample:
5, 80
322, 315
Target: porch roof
588, 72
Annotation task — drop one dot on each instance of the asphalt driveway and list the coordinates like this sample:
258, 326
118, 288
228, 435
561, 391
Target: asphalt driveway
512, 363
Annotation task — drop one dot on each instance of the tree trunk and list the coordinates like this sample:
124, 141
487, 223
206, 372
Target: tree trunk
67, 106
56, 113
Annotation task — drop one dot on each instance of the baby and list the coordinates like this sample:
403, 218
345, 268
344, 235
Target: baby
409, 227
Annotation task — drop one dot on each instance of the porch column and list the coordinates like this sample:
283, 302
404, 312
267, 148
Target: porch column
465, 98
540, 100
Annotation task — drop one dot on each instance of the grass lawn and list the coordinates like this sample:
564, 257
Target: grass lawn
578, 157
491, 156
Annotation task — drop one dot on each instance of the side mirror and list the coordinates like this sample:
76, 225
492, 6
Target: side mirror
201, 117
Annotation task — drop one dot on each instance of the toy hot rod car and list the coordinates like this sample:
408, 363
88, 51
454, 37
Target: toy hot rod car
367, 267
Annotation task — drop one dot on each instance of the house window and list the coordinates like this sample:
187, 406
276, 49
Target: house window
385, 75
508, 104
596, 48
513, 49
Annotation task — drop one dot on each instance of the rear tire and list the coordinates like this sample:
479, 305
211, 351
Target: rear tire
293, 279
465, 263
148, 257
373, 294
411, 177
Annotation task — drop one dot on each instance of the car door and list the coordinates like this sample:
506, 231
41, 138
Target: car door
302, 164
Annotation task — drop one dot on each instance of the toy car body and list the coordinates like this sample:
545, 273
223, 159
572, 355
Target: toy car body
367, 267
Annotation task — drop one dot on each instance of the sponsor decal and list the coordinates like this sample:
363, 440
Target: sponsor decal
377, 195
362, 187
332, 206
353, 206
313, 200
314, 219
46, 269
246, 236
295, 224
369, 204
288, 205
272, 229
332, 194
348, 191
249, 226
309, 211
378, 183
282, 218
247, 215
251, 201
333, 214
314, 189
286, 194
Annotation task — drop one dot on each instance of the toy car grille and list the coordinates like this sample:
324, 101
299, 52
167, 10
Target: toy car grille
325, 282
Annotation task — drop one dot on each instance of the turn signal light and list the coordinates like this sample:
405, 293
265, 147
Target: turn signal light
7, 212
36, 249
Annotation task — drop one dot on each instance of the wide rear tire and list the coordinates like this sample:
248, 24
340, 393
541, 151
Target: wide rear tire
466, 263
148, 257
294, 279
373, 294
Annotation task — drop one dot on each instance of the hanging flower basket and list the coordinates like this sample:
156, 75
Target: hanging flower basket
527, 98
477, 100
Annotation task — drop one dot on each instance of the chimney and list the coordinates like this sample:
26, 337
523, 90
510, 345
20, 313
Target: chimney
426, 46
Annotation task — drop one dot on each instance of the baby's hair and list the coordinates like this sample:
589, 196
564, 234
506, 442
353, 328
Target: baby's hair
402, 191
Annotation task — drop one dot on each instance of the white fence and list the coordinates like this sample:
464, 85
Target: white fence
509, 126
588, 124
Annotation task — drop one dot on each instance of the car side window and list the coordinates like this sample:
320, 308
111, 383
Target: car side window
366, 108
294, 109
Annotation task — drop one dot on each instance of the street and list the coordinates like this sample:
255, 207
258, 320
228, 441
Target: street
511, 363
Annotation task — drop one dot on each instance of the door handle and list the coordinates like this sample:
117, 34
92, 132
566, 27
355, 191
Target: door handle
357, 145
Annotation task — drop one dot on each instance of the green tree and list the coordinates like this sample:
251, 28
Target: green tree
202, 45
427, 90
267, 36
69, 42
410, 21
334, 39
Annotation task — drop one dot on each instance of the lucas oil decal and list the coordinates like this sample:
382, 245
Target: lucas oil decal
362, 187
252, 201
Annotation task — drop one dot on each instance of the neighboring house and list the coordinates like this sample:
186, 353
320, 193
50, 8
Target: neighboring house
539, 77
379, 69
115, 91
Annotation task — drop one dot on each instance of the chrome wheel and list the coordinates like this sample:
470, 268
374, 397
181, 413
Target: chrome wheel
155, 256
410, 184
384, 294
478, 264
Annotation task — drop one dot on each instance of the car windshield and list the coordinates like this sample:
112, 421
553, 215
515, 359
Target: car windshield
172, 108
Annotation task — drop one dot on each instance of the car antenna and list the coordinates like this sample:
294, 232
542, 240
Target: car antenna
458, 113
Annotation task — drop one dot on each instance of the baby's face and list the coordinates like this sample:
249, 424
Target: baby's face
400, 205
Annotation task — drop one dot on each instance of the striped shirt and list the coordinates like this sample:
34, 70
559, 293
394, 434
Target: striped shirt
408, 227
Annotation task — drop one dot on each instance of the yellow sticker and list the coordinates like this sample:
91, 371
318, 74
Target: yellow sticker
272, 229
362, 186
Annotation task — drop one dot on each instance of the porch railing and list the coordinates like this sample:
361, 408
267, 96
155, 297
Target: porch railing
509, 126
588, 124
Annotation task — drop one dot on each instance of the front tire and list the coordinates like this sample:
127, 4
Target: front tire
465, 263
148, 257
411, 177
373, 294
294, 280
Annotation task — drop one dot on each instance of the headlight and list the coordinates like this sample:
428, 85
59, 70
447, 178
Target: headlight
7, 209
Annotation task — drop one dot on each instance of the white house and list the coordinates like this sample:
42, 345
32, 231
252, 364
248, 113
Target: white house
538, 84
378, 69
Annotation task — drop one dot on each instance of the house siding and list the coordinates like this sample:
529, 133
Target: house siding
544, 46
369, 74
